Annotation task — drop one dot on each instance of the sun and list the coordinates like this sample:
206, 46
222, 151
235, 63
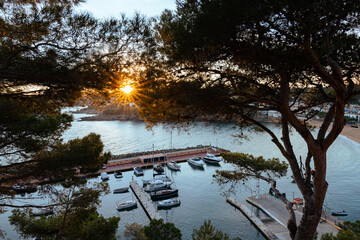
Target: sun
127, 89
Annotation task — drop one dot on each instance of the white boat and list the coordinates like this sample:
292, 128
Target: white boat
104, 176
157, 185
121, 206
210, 158
118, 174
163, 178
168, 203
121, 190
197, 162
138, 171
173, 166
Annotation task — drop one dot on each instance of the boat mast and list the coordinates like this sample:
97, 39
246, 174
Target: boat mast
170, 139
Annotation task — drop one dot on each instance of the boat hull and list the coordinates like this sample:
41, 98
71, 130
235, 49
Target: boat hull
168, 206
118, 174
126, 207
121, 190
164, 195
173, 167
138, 172
196, 163
339, 214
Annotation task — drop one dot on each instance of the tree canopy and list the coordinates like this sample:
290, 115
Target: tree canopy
50, 55
234, 59
207, 231
158, 229
75, 217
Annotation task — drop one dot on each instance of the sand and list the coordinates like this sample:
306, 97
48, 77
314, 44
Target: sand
348, 131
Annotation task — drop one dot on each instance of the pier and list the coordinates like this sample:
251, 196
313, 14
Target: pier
161, 156
265, 230
274, 226
145, 201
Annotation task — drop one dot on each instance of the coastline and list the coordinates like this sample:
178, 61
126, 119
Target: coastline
348, 132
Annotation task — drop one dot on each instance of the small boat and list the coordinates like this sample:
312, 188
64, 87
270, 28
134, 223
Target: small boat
338, 213
121, 190
168, 203
20, 189
157, 185
159, 168
173, 166
104, 176
163, 178
43, 212
164, 194
212, 159
118, 174
138, 171
197, 162
128, 205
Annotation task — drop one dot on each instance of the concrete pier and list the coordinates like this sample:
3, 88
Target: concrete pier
126, 164
145, 201
277, 211
264, 229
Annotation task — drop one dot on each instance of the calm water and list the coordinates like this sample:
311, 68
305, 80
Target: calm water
200, 199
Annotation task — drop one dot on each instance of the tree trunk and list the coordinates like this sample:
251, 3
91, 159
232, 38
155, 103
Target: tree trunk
314, 201
309, 221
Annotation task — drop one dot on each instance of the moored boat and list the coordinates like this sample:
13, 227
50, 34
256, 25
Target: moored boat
338, 213
121, 190
104, 176
118, 174
168, 203
128, 205
212, 159
158, 168
157, 185
164, 194
197, 162
138, 171
163, 178
173, 166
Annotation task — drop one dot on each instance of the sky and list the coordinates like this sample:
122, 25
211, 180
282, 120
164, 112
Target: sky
113, 8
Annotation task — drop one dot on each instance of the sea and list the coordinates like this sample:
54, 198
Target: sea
202, 198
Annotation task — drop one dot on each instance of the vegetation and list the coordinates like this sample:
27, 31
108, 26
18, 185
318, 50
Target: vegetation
207, 231
50, 55
248, 167
134, 231
157, 229
232, 59
350, 231
75, 217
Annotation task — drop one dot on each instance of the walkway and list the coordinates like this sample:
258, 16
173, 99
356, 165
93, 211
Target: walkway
276, 209
145, 201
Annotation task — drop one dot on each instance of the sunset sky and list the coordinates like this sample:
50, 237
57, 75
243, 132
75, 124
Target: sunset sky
113, 8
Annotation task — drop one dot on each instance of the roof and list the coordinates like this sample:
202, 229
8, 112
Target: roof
157, 155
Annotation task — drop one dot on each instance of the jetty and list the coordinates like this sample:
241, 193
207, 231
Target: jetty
274, 225
148, 159
265, 230
145, 201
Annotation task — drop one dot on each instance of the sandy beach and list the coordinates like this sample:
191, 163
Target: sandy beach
348, 131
